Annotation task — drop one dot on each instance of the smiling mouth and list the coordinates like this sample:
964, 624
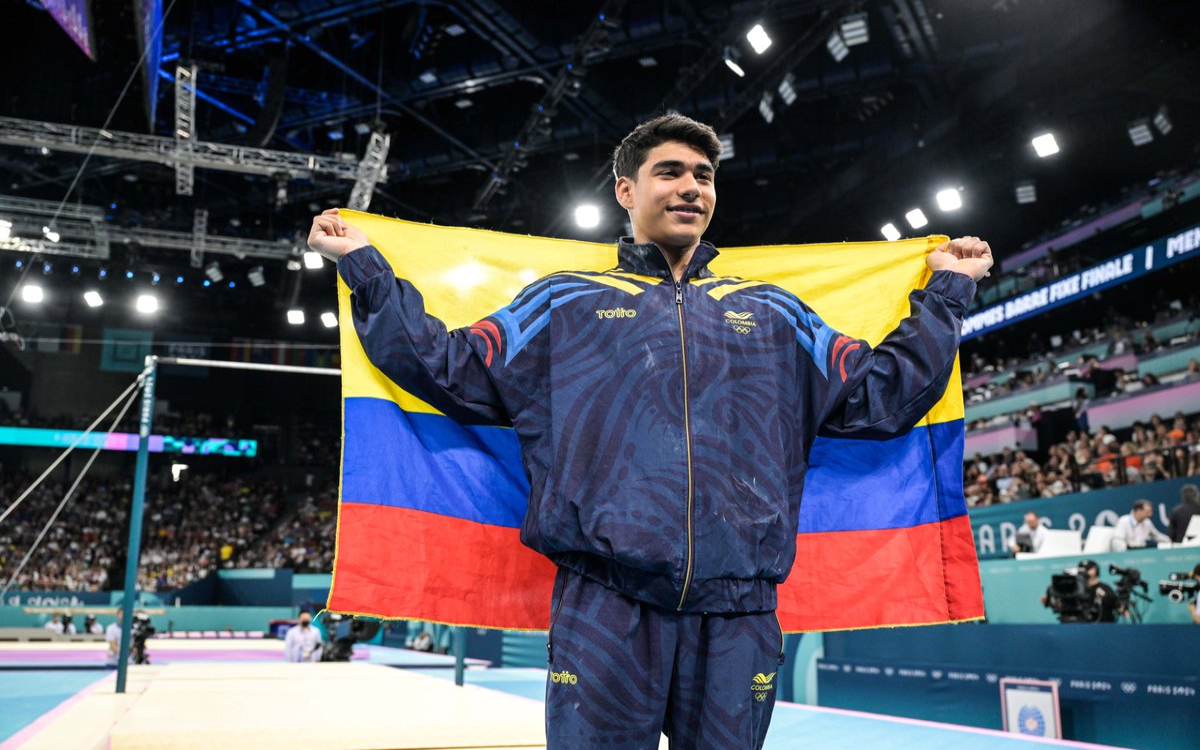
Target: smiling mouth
686, 210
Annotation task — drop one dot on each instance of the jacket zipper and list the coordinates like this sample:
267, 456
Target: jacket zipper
687, 432
557, 608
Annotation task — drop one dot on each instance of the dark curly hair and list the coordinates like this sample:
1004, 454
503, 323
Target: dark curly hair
630, 155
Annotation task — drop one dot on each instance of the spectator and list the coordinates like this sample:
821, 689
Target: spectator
1181, 515
1135, 529
1030, 536
112, 636
54, 625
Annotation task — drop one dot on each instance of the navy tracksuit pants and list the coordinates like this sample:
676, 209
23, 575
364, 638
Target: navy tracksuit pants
622, 672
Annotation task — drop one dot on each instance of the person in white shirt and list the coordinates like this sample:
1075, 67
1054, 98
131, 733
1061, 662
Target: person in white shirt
303, 642
112, 635
1135, 528
54, 626
1029, 537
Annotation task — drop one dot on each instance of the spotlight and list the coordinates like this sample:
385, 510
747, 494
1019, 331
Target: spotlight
587, 216
5, 229
177, 470
146, 304
93, 298
837, 48
758, 38
256, 277
207, 282
103, 274
1045, 145
295, 317
178, 279
312, 260
129, 274
949, 199
293, 264
213, 272
1026, 192
1139, 132
50, 234
648, 61
233, 285
74, 270
764, 106
329, 320
916, 218
890, 232
732, 56
46, 269
1162, 122
32, 293
854, 29
155, 278
787, 89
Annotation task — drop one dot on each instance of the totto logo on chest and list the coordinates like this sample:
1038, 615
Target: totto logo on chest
619, 312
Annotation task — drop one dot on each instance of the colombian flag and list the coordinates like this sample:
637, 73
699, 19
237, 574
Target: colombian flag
430, 511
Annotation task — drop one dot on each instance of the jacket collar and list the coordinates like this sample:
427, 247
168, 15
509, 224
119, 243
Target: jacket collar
647, 259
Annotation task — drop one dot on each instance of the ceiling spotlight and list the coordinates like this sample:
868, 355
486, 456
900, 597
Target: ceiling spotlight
1026, 192
5, 229
146, 304
758, 38
854, 29
732, 57
1139, 132
256, 277
726, 146
93, 298
32, 293
428, 77
837, 48
50, 234
362, 128
787, 89
213, 272
293, 264
764, 106
648, 61
1162, 122
1045, 145
916, 218
329, 320
312, 260
295, 317
587, 216
949, 199
890, 232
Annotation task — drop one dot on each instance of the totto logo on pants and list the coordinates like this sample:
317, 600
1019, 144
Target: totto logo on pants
622, 673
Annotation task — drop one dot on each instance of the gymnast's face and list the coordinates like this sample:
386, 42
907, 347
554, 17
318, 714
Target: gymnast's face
673, 198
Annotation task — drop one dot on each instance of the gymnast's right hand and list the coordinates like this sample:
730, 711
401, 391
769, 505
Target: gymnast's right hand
332, 237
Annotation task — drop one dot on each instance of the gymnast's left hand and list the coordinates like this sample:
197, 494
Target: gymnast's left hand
969, 256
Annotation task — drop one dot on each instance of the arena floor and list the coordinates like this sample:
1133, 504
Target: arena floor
205, 694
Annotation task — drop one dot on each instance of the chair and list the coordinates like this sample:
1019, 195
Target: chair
1099, 540
1056, 543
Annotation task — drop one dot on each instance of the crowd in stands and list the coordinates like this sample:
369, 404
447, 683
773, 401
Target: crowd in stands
191, 527
303, 542
1087, 460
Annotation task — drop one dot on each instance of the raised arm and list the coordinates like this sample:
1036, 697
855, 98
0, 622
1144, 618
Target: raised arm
881, 392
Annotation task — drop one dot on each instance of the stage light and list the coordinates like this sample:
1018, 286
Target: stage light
146, 304
207, 282
1026, 192
787, 89
837, 48
587, 216
295, 317
1139, 132
213, 272
329, 320
129, 274
648, 61
74, 270
890, 232
93, 298
256, 277
1162, 122
50, 234
764, 107
233, 285
32, 293
177, 470
178, 279
293, 265
949, 199
726, 146
312, 260
428, 77
5, 229
854, 29
758, 38
732, 56
102, 274
46, 269
916, 218
1045, 145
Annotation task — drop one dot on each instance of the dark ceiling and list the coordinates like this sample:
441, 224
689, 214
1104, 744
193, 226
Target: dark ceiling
944, 93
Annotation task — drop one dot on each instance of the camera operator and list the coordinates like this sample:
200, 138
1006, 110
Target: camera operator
1135, 528
1029, 537
1080, 596
1107, 607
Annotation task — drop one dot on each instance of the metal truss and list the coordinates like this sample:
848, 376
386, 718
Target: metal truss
84, 233
185, 120
372, 167
161, 150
